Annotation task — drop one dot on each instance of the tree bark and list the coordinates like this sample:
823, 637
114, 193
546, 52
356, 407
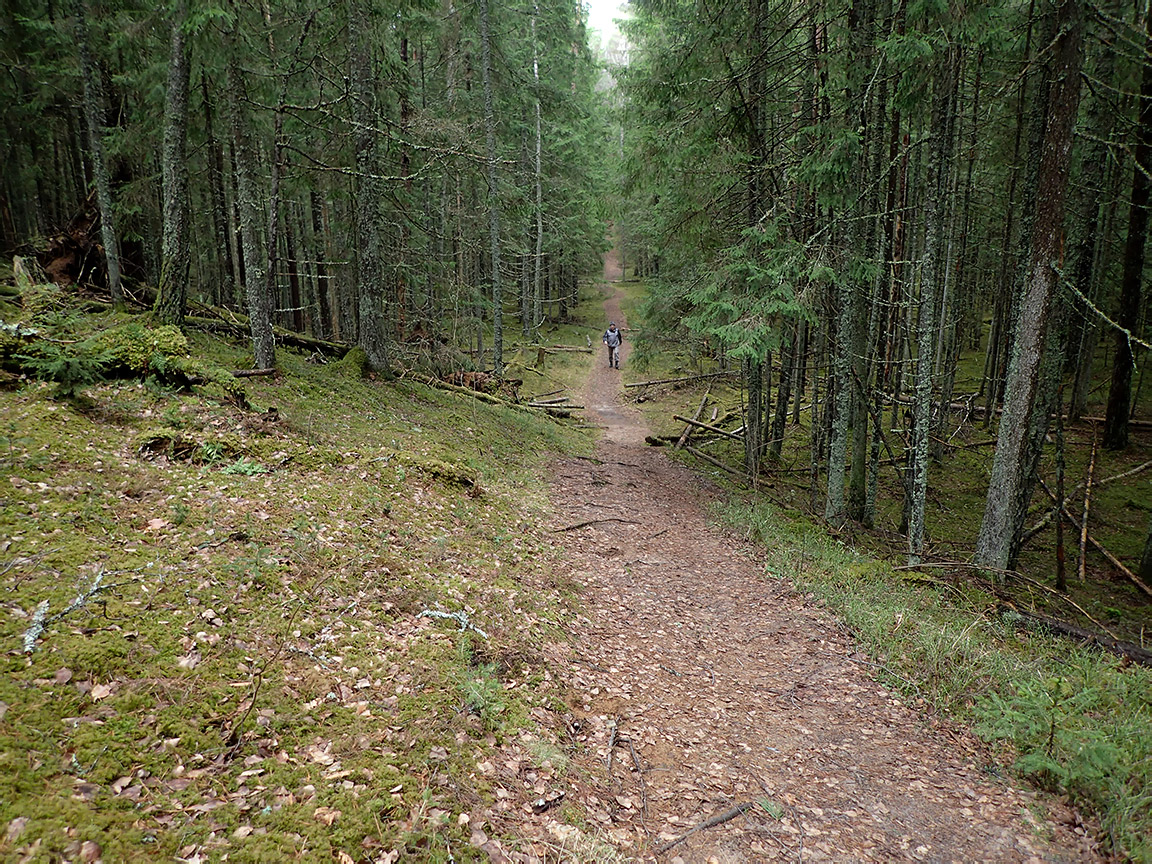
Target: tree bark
1006, 504
369, 254
934, 207
493, 192
172, 291
256, 296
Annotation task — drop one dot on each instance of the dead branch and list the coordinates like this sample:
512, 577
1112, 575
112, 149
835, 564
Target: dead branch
1047, 518
710, 428
720, 819
688, 428
252, 373
1125, 649
700, 455
1087, 502
41, 620
1112, 559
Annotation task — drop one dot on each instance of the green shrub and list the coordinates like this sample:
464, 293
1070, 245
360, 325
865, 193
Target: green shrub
72, 369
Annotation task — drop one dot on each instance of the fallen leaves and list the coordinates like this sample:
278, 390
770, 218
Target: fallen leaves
101, 691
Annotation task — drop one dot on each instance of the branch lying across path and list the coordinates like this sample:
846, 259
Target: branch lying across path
681, 380
579, 525
719, 819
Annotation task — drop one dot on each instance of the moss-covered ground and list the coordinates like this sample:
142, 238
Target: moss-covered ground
310, 627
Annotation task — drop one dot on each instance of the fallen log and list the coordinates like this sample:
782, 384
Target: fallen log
682, 380
709, 427
1129, 650
252, 373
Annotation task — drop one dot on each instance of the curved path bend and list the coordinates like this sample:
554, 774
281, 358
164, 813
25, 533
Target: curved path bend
699, 684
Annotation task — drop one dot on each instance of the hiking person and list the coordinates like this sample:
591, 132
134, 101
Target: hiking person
613, 338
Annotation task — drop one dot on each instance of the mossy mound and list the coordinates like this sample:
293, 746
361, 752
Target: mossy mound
354, 364
140, 349
446, 472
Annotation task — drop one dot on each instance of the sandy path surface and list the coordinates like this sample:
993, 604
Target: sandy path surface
700, 685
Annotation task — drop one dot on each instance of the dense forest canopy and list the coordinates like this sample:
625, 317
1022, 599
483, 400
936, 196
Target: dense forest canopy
849, 198
349, 170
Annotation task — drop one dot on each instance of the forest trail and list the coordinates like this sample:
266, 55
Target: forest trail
723, 687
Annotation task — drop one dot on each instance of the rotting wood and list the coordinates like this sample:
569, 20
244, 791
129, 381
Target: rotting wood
719, 819
709, 427
558, 400
701, 455
688, 427
540, 396
1112, 559
253, 373
1129, 650
585, 524
700, 377
1087, 505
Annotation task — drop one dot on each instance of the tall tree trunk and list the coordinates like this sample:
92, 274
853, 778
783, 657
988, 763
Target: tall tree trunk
94, 119
259, 303
1123, 361
172, 292
934, 211
1006, 504
369, 253
320, 250
538, 256
225, 241
493, 192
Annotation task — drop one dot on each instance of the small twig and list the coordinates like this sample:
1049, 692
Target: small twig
720, 819
612, 745
594, 522
643, 786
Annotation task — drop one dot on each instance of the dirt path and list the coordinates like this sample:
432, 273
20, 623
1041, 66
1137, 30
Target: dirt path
724, 687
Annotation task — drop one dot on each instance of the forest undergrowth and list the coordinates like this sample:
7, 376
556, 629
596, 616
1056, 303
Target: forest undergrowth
308, 625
